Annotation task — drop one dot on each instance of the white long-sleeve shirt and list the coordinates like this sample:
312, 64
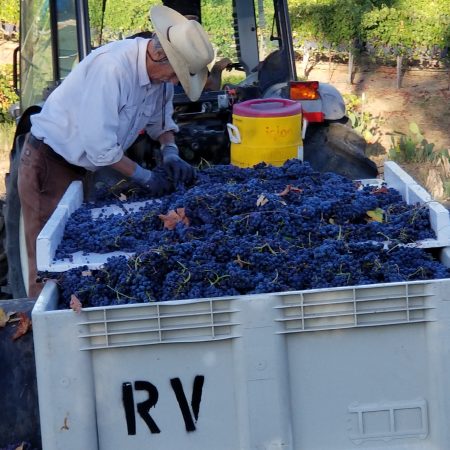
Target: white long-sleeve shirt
99, 109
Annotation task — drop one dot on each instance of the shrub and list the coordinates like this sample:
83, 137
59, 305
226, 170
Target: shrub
9, 11
413, 147
362, 120
413, 28
7, 93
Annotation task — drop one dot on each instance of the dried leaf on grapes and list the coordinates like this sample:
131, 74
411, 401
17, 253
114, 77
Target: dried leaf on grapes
262, 200
75, 303
290, 188
4, 317
173, 217
23, 326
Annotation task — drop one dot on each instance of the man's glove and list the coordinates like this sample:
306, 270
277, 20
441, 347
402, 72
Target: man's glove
155, 182
178, 170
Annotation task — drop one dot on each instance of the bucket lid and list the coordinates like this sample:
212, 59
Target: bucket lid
267, 107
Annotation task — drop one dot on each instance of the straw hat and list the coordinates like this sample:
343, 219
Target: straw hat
187, 47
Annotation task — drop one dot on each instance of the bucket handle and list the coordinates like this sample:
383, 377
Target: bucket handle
233, 132
304, 127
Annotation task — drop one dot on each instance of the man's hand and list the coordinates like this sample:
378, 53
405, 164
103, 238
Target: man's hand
155, 182
178, 170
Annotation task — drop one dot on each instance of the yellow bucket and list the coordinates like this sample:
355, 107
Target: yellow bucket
265, 130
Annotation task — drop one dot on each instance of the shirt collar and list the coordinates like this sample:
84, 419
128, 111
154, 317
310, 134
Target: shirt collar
142, 62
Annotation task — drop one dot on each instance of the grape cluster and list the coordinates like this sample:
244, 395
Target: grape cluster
253, 230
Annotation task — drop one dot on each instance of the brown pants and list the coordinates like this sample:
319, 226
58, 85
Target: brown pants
43, 178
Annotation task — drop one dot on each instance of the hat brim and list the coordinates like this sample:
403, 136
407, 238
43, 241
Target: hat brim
163, 18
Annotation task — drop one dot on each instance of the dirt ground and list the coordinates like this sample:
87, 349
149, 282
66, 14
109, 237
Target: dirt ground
6, 51
424, 98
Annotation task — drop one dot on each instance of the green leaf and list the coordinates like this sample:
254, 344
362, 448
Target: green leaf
376, 215
352, 117
368, 136
414, 128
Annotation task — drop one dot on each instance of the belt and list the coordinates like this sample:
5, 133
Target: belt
40, 145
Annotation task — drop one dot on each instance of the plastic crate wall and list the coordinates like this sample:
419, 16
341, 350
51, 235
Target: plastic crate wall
358, 367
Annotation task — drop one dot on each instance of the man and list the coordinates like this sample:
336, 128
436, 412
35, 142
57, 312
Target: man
90, 120
214, 79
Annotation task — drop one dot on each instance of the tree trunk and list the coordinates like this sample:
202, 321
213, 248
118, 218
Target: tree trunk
350, 67
305, 61
329, 63
399, 71
262, 29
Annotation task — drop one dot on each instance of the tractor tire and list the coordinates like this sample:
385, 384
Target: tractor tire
19, 414
14, 242
337, 148
4, 291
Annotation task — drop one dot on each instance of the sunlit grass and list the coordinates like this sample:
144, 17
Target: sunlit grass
6, 138
232, 77
7, 130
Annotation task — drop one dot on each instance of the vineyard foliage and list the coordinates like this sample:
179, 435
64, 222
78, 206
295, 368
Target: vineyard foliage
325, 24
412, 28
417, 29
9, 11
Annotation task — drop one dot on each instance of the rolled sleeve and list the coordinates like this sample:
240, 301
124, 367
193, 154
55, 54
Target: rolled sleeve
106, 157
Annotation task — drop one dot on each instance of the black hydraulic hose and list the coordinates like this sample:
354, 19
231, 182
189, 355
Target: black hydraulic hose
163, 120
286, 37
102, 23
16, 70
83, 28
55, 43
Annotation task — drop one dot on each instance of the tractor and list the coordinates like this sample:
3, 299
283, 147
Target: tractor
56, 34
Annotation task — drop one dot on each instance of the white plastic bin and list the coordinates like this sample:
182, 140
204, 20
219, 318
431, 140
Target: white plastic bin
364, 367
52, 234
